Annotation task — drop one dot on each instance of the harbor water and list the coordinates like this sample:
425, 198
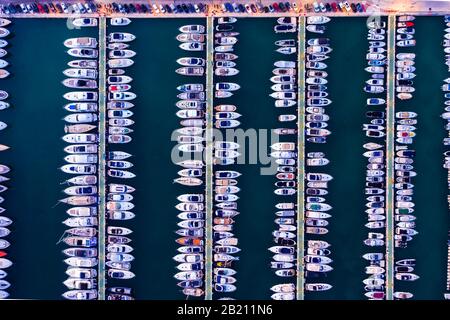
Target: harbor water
37, 58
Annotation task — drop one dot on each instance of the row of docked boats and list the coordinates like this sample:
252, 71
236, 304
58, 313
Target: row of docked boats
226, 152
5, 221
404, 60
374, 152
190, 257
318, 259
4, 32
446, 41
81, 187
284, 253
317, 99
406, 123
446, 89
446, 117
286, 25
119, 196
405, 31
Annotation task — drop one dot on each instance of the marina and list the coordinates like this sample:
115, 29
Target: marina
172, 194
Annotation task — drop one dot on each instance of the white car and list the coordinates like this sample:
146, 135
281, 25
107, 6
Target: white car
64, 7
155, 8
322, 7
347, 6
197, 8
162, 9
88, 9
316, 7
81, 8
24, 8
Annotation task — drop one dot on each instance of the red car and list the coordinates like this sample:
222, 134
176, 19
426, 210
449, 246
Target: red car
334, 7
276, 7
40, 8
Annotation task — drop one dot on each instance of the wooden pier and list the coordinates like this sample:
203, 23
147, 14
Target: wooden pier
390, 154
301, 160
209, 157
102, 159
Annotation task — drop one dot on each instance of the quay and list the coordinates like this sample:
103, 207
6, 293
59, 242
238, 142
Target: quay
390, 154
209, 157
102, 159
301, 160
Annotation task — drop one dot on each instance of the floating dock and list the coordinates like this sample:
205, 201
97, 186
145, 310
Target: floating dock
102, 158
301, 160
390, 154
209, 157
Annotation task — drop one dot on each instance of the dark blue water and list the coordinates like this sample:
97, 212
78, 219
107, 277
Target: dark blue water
37, 59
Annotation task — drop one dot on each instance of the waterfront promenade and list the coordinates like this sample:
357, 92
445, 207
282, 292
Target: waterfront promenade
215, 9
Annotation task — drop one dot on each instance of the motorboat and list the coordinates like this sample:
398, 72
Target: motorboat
119, 79
285, 28
193, 28
4, 73
285, 103
406, 276
191, 71
226, 71
80, 138
81, 96
121, 96
191, 37
85, 22
4, 22
80, 83
121, 37
286, 50
191, 61
317, 19
81, 73
80, 294
120, 21
83, 53
192, 46
315, 267
314, 28
82, 42
120, 174
317, 286
120, 63
323, 50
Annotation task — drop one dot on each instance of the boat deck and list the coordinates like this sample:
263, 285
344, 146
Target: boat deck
390, 154
301, 160
209, 162
102, 159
